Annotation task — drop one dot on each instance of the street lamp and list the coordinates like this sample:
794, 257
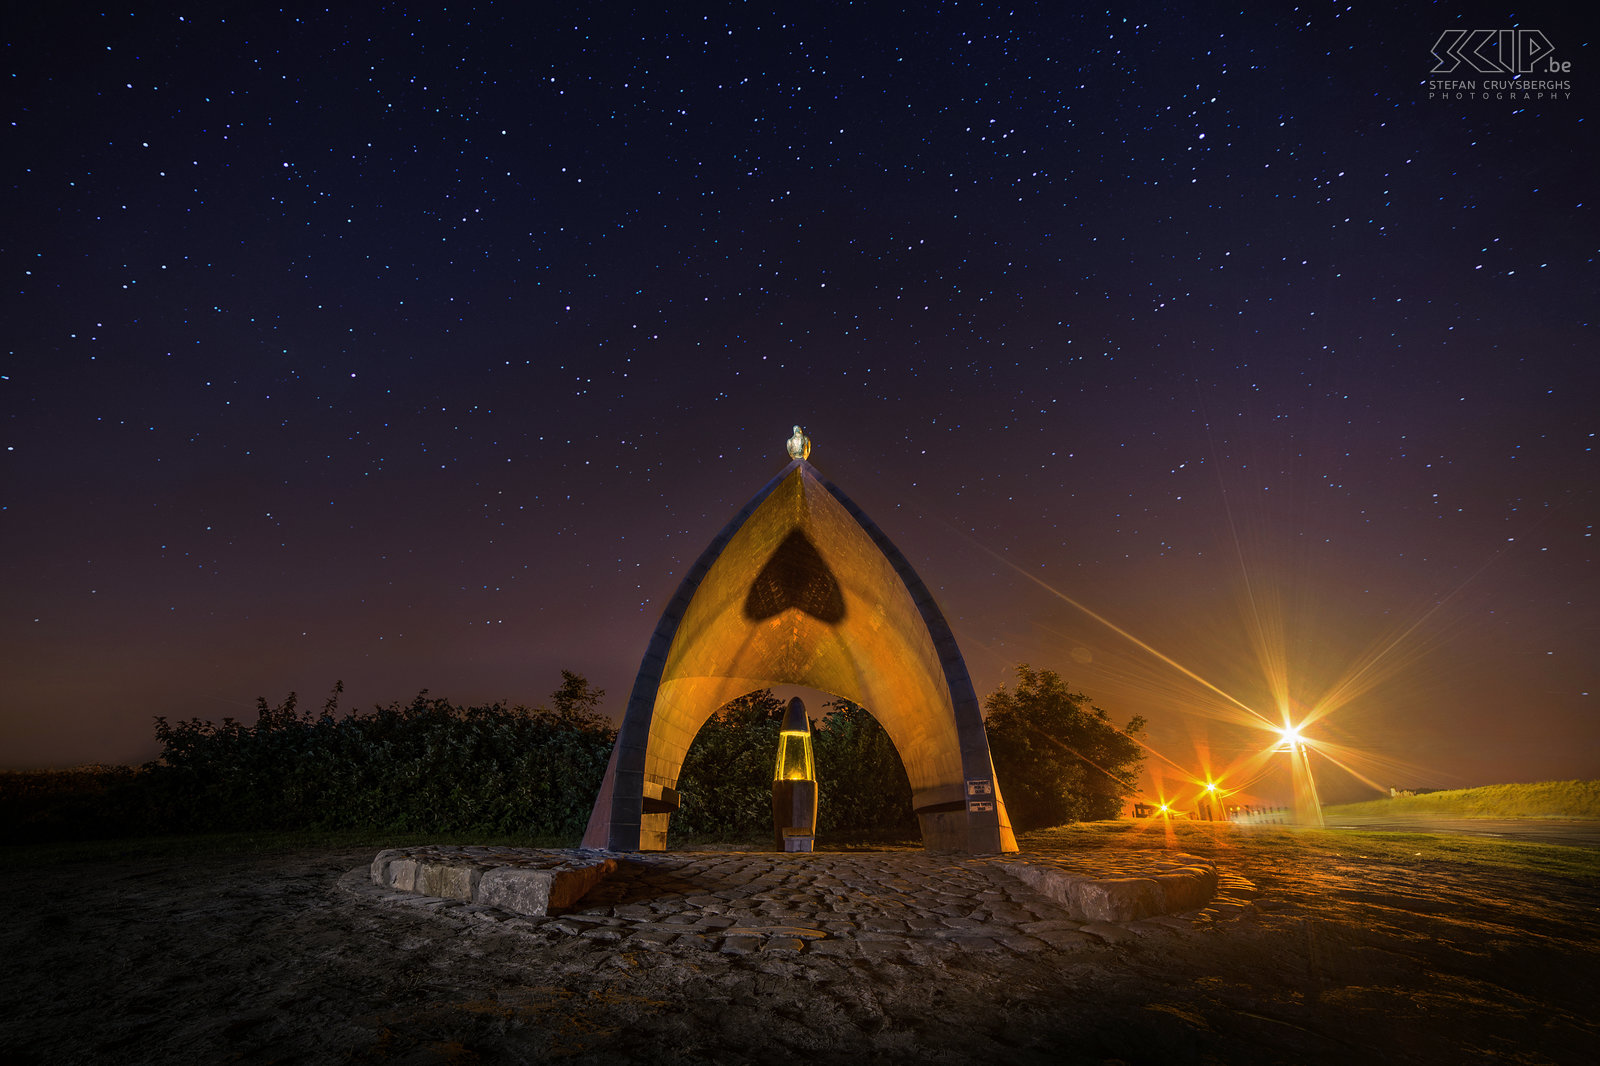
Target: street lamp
1307, 805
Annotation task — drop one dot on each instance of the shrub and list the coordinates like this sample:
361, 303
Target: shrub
428, 766
726, 777
82, 803
863, 782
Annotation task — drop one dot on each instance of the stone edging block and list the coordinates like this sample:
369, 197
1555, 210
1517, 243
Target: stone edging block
532, 890
1121, 899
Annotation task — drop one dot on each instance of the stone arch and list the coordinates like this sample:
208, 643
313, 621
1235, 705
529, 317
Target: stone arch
803, 588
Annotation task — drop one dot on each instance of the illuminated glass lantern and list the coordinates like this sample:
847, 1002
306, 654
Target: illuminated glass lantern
794, 783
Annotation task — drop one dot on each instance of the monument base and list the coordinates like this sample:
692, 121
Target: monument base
794, 813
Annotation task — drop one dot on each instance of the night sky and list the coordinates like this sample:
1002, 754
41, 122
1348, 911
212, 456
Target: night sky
427, 349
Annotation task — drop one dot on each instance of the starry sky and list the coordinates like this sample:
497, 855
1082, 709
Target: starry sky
1206, 356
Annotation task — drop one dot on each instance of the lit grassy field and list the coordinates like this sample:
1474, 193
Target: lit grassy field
1542, 799
1300, 850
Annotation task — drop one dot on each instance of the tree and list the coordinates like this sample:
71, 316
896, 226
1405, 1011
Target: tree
575, 702
1059, 758
862, 783
726, 778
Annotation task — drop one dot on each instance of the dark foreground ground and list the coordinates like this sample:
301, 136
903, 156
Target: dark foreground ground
1359, 949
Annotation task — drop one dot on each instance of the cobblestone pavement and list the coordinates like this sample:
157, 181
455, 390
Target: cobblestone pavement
839, 903
1344, 954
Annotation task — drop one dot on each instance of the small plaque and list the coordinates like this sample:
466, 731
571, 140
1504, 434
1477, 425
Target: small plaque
977, 806
980, 787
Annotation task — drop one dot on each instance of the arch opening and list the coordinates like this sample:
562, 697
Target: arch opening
730, 765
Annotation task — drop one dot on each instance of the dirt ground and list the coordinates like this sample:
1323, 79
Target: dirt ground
266, 959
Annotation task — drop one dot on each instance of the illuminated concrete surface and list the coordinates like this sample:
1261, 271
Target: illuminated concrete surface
802, 588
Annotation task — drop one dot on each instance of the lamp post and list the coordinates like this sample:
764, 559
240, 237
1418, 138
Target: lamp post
794, 783
1307, 806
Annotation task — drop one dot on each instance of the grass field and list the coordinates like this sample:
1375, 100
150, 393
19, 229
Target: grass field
1301, 847
1542, 799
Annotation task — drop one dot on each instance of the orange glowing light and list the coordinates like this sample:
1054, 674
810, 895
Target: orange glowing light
1301, 689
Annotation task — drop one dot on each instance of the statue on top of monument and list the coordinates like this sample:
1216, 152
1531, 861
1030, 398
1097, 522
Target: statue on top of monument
799, 445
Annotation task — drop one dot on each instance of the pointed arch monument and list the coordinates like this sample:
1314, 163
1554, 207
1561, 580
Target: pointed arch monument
802, 588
